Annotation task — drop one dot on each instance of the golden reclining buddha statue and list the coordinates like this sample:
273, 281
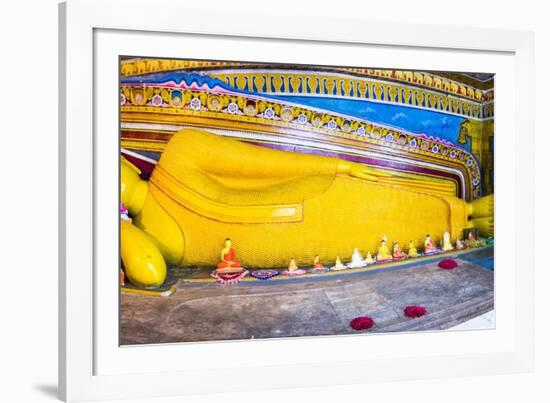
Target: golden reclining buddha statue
274, 205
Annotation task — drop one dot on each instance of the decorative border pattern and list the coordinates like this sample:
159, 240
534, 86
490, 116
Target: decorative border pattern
443, 96
423, 79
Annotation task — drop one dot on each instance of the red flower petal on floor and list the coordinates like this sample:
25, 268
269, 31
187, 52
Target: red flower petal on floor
362, 323
414, 311
448, 264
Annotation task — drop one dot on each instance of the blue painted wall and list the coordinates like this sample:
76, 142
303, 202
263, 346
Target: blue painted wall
413, 120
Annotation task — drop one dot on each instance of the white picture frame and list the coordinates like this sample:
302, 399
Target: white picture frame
93, 366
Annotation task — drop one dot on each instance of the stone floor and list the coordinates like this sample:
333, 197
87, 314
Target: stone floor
324, 306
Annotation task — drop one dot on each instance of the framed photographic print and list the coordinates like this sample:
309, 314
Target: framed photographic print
312, 203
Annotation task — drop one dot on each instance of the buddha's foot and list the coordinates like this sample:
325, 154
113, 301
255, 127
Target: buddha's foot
481, 215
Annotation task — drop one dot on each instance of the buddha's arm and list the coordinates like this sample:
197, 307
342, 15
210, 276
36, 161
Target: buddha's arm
233, 159
226, 157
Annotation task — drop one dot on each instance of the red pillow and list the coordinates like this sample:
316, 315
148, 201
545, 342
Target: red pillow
448, 264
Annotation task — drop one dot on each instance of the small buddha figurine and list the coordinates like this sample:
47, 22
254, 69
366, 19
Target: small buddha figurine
293, 269
229, 262
459, 244
369, 259
447, 245
356, 260
338, 265
383, 254
397, 251
471, 237
292, 266
317, 265
429, 247
412, 249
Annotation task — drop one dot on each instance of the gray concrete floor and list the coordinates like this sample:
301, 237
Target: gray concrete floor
205, 312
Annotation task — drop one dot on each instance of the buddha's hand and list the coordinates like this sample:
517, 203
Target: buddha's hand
361, 171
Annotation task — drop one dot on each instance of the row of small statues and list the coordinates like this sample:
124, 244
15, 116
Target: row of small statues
230, 264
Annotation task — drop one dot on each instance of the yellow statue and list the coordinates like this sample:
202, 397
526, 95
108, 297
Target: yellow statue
397, 251
412, 250
292, 266
273, 204
384, 254
293, 269
447, 245
429, 247
317, 265
357, 260
338, 265
228, 262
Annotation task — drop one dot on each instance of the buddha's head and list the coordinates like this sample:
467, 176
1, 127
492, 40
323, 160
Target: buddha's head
227, 243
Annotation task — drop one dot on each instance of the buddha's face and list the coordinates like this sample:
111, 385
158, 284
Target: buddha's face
227, 243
